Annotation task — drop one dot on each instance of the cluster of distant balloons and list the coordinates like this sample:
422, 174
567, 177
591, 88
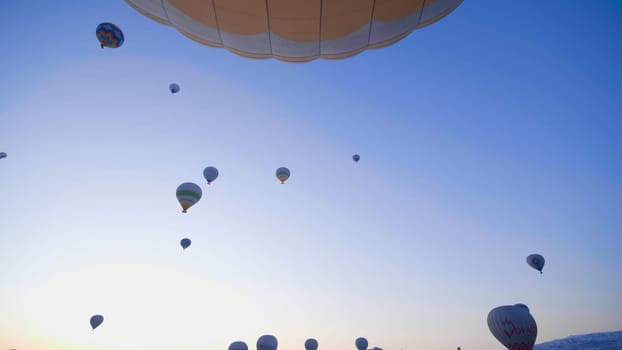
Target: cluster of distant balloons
512, 325
265, 342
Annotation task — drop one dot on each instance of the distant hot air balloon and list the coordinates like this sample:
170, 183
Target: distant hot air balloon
356, 157
109, 35
267, 342
536, 261
174, 88
513, 326
210, 174
96, 320
238, 345
311, 344
282, 174
296, 30
185, 243
361, 343
188, 194
2, 155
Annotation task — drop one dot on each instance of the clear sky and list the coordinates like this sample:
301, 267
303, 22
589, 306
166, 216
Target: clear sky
490, 135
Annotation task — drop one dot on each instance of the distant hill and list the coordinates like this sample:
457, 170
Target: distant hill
593, 341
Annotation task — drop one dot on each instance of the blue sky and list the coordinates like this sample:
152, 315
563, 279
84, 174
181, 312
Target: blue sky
491, 135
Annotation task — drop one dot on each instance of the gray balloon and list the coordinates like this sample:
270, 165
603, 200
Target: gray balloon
267, 342
210, 174
361, 343
96, 320
311, 344
238, 345
536, 261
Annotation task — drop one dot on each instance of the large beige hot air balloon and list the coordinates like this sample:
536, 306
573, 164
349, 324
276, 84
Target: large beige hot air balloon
296, 30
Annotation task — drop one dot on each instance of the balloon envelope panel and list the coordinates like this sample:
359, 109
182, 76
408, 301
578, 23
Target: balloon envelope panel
296, 30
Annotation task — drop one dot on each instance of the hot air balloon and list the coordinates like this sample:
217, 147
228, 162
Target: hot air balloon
295, 30
174, 88
2, 155
210, 174
96, 320
185, 243
267, 342
238, 345
282, 174
536, 261
188, 194
109, 35
311, 344
361, 343
356, 157
513, 326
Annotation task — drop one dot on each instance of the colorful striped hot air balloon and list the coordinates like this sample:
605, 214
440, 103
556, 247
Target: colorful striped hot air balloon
188, 194
282, 174
296, 30
109, 35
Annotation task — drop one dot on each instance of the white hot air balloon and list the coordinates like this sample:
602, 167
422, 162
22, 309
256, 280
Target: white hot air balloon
361, 343
311, 344
513, 326
267, 342
536, 261
238, 345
